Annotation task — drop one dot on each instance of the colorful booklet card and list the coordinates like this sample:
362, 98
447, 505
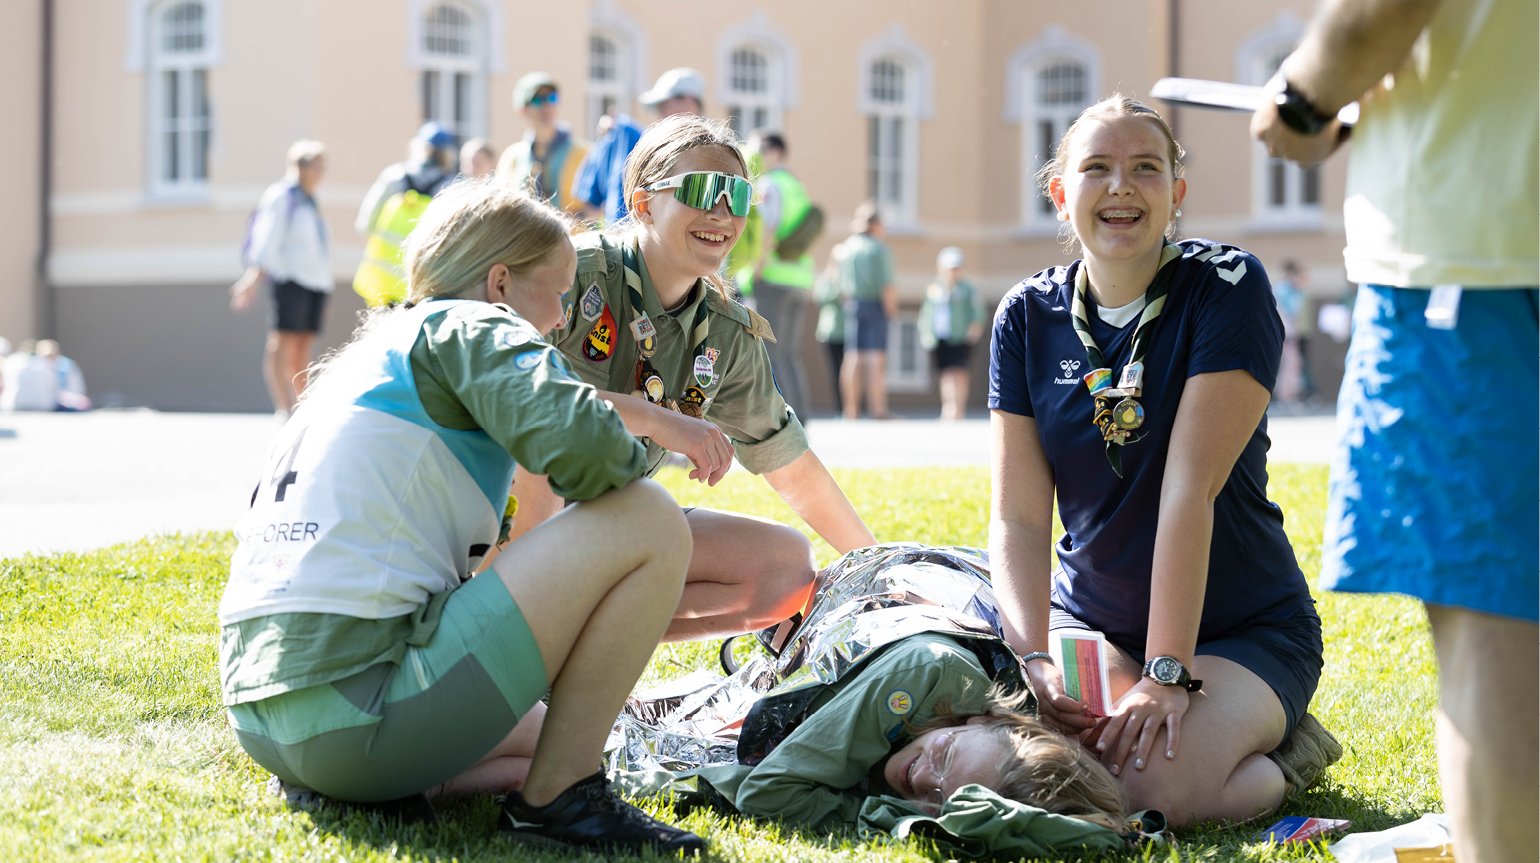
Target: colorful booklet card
1082, 657
1297, 828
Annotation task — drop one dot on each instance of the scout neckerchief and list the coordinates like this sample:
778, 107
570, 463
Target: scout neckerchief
1117, 411
649, 384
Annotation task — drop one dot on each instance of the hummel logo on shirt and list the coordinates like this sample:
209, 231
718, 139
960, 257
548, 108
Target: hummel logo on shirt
1069, 368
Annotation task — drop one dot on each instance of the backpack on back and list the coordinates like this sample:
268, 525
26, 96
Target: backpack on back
795, 244
381, 276
292, 196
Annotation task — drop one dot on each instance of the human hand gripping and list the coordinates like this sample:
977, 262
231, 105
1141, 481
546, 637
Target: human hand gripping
1135, 721
1285, 143
707, 448
1053, 705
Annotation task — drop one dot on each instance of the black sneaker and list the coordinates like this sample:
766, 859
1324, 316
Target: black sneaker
589, 815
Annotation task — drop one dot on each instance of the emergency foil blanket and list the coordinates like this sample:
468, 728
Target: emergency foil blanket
866, 600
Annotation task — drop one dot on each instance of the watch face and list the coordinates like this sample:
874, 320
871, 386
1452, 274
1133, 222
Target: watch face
1166, 670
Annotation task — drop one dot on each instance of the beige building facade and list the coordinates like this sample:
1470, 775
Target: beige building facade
146, 130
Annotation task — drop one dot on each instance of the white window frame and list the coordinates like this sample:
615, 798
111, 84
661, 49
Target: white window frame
908, 364
193, 133
763, 107
624, 35
608, 92
756, 107
477, 64
1256, 60
1053, 48
891, 122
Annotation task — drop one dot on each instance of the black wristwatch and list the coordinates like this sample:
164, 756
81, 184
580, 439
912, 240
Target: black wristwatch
1169, 671
1297, 113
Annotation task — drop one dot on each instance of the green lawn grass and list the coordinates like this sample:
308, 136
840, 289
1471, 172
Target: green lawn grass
113, 745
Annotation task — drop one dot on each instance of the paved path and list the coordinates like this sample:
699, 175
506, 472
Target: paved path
72, 482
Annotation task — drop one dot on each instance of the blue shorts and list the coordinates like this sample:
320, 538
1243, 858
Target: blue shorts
1432, 490
866, 326
391, 731
1286, 655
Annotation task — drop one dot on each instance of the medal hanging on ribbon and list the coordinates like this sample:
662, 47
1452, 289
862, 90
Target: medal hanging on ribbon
1116, 411
649, 383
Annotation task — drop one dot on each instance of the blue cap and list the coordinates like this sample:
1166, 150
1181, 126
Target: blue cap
436, 134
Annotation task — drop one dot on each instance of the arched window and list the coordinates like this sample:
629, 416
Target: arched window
1058, 95
1049, 81
892, 137
452, 56
1283, 193
751, 96
1289, 191
609, 83
177, 67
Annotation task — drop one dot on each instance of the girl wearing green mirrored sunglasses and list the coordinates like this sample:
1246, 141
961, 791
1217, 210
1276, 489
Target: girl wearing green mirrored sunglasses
702, 190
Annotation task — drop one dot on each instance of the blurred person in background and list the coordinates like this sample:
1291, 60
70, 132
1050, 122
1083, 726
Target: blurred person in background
871, 300
288, 250
783, 272
477, 159
545, 163
601, 178
392, 207
951, 321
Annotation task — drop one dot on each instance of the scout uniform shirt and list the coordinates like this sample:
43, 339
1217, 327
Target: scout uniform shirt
718, 370
820, 775
386, 489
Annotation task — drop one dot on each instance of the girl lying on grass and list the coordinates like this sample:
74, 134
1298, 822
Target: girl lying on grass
893, 700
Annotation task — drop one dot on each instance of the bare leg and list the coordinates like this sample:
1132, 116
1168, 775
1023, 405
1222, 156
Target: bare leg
1487, 749
1221, 771
954, 393
876, 382
745, 574
300, 347
285, 359
850, 383
506, 766
596, 610
273, 364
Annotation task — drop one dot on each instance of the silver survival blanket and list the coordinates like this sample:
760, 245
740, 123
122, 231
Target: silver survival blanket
865, 601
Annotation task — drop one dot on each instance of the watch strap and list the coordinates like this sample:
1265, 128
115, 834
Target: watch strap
1298, 113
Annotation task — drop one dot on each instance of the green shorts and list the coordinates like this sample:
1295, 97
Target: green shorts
391, 731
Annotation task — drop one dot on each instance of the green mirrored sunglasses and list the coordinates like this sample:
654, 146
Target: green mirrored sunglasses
702, 190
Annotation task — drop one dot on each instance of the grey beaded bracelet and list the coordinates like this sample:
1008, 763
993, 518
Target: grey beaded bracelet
1036, 654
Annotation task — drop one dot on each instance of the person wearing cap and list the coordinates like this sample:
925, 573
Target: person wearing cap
392, 207
951, 321
430, 165
545, 163
601, 178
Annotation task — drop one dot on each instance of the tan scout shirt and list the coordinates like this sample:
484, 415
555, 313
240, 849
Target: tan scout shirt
734, 375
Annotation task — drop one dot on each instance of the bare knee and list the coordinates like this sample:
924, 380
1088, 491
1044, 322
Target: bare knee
780, 576
652, 517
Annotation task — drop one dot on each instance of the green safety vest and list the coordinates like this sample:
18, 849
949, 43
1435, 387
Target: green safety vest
798, 272
381, 277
